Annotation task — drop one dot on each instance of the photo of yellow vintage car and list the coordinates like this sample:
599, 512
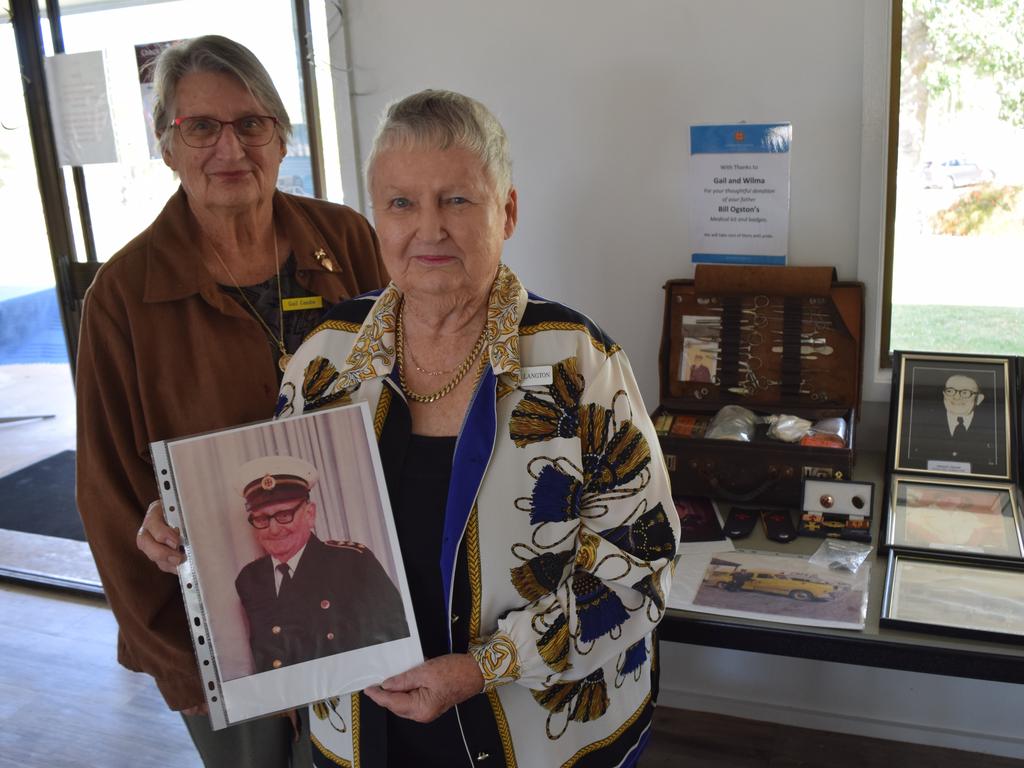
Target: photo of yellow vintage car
784, 584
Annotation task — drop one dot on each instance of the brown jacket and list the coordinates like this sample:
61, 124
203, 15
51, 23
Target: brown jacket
164, 352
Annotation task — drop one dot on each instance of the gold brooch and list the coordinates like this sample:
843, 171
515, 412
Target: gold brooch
324, 260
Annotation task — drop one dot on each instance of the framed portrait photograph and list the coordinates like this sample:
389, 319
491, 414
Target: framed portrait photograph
293, 582
954, 516
960, 596
953, 414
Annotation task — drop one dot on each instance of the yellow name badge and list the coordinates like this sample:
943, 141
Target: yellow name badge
304, 302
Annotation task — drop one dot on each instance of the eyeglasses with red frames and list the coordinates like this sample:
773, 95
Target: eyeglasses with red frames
200, 132
283, 517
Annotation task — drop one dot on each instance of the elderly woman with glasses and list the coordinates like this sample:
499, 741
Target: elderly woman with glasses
531, 501
187, 329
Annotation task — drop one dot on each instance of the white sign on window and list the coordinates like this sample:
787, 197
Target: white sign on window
82, 124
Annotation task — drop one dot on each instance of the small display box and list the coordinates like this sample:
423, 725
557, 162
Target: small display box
775, 341
837, 509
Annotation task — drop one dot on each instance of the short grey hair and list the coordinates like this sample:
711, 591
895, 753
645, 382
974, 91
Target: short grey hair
445, 120
212, 53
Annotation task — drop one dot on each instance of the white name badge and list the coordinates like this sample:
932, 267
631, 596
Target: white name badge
537, 376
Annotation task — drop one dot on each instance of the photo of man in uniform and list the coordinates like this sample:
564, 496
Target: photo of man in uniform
959, 429
306, 598
699, 361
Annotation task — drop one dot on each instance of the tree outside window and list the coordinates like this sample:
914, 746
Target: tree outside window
955, 249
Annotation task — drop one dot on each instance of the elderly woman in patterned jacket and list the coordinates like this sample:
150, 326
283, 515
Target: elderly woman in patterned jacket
532, 504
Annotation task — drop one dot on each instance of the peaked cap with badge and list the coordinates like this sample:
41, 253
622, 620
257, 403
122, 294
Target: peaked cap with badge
270, 479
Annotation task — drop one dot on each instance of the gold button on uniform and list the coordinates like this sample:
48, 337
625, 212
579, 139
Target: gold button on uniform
275, 630
276, 664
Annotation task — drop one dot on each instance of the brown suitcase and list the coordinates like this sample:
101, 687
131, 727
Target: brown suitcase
775, 340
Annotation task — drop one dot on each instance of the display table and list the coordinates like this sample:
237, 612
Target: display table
873, 646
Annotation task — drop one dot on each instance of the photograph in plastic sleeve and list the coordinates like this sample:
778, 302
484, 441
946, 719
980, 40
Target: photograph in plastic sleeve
982, 519
952, 596
772, 587
295, 559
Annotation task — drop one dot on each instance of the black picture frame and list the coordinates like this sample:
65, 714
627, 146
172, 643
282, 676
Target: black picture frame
960, 596
924, 438
981, 519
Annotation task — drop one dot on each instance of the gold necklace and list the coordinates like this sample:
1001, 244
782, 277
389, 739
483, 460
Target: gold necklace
460, 372
285, 358
424, 370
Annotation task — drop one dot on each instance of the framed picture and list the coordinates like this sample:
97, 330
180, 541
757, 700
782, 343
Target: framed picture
962, 596
279, 519
953, 414
954, 516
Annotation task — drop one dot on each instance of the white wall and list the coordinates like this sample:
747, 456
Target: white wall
597, 98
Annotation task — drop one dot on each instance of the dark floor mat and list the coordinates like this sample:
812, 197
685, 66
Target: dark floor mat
41, 499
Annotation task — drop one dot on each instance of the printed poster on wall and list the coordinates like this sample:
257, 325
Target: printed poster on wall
739, 183
145, 56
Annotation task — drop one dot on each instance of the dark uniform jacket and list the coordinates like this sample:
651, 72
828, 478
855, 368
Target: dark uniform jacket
930, 440
339, 599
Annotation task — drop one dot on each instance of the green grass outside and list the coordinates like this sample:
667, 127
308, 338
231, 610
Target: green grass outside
939, 328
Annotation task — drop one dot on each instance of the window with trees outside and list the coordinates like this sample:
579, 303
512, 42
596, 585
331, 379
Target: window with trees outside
955, 218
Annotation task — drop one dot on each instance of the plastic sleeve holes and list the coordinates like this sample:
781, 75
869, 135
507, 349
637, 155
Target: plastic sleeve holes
211, 685
189, 585
213, 698
163, 471
167, 485
201, 640
858, 502
196, 620
206, 662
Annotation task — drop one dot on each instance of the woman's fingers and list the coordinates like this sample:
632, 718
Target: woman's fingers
158, 541
426, 692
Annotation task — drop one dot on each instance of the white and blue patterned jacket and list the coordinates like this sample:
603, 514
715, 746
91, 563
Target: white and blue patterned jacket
559, 531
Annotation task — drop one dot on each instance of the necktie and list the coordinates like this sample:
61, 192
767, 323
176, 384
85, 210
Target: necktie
960, 430
286, 575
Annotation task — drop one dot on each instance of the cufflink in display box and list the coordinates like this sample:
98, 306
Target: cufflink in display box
837, 509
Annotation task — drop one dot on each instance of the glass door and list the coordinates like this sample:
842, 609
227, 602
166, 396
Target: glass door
49, 259
124, 197
37, 415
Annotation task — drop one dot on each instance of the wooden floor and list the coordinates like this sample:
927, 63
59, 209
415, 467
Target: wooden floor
684, 739
64, 701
